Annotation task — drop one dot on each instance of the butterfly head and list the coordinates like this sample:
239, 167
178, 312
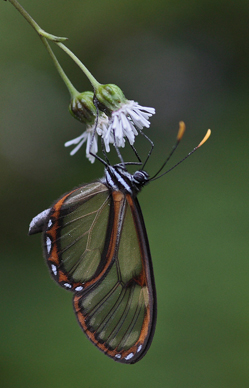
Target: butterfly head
140, 178
118, 178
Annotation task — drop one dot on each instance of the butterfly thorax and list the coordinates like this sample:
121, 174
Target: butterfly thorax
119, 179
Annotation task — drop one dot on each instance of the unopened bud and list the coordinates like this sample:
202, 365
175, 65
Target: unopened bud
109, 97
82, 108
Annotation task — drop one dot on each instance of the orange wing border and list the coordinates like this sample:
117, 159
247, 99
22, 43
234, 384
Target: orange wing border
146, 278
52, 249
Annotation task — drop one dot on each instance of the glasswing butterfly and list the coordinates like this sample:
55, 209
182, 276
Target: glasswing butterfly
96, 245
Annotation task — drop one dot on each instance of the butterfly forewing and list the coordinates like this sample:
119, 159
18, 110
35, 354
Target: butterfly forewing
118, 311
75, 235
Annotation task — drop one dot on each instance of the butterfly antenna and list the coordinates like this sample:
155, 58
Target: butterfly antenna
151, 149
179, 137
104, 151
135, 152
190, 153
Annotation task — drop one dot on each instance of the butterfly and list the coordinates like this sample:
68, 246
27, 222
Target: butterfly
96, 246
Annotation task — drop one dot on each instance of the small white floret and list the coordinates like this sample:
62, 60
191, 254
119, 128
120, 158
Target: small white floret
90, 135
124, 123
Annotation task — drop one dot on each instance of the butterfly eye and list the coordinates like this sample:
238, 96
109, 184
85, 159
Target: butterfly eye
140, 177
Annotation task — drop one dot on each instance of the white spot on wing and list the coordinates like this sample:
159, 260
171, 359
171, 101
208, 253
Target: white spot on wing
54, 269
118, 355
49, 245
50, 223
129, 356
67, 285
139, 348
79, 288
37, 222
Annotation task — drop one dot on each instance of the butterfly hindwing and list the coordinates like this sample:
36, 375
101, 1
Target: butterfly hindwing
118, 311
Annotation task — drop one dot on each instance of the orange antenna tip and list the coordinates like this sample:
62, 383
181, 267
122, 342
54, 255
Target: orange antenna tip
181, 131
205, 138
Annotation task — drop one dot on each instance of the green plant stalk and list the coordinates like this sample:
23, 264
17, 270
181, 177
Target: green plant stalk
91, 78
36, 27
58, 40
73, 92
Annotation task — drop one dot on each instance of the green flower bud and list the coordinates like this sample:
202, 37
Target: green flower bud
82, 108
109, 98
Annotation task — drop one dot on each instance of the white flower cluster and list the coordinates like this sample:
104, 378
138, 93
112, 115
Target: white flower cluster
123, 123
89, 136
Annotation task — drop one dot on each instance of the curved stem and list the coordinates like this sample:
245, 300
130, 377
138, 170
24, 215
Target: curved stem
44, 36
73, 92
91, 78
36, 27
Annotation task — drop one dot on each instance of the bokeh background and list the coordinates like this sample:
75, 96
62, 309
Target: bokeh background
189, 60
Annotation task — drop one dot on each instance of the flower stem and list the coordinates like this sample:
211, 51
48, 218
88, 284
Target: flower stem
73, 92
36, 27
91, 78
44, 35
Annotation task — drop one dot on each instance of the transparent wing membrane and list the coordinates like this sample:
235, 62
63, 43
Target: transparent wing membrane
116, 312
77, 234
96, 245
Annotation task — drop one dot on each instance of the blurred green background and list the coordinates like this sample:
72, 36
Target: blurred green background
189, 60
